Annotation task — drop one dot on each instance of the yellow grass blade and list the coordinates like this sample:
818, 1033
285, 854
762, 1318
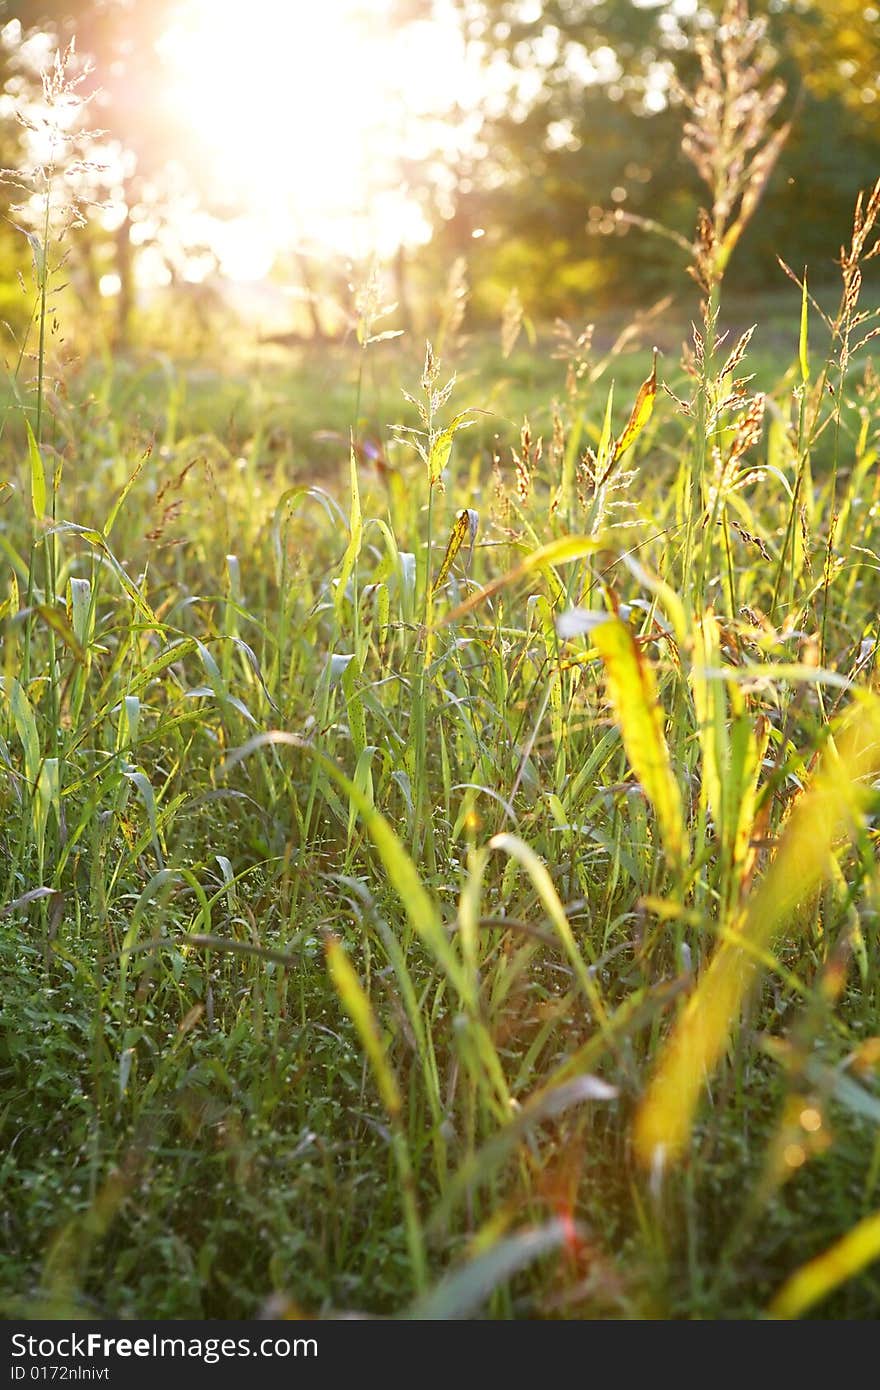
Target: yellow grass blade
38, 473
641, 414
821, 1276
557, 552
465, 526
745, 807
803, 340
544, 887
605, 451
664, 1120
711, 711
357, 1006
731, 750
354, 1000
442, 445
355, 537
632, 691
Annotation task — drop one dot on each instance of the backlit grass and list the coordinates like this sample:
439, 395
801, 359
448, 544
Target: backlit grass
439, 833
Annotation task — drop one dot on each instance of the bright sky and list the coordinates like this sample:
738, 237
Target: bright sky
298, 109
300, 117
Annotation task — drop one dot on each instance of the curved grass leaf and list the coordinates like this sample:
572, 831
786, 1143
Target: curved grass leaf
546, 1104
543, 883
57, 621
421, 910
700, 1036
463, 1292
821, 1276
356, 1004
465, 525
355, 537
38, 473
632, 691
557, 552
26, 728
441, 446
641, 413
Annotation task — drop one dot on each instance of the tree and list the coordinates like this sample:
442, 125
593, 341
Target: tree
592, 124
836, 44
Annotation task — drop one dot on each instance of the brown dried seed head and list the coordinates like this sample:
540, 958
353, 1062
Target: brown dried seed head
852, 280
748, 430
586, 481
431, 368
752, 540
558, 444
739, 352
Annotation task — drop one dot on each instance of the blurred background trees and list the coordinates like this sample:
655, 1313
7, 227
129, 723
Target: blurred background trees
577, 122
596, 129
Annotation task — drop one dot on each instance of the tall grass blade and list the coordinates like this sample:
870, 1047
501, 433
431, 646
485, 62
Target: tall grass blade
632, 691
814, 1281
461, 1294
543, 559
826, 812
464, 527
641, 413
357, 1006
38, 473
543, 883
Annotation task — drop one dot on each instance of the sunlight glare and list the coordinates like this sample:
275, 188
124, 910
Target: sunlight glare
301, 116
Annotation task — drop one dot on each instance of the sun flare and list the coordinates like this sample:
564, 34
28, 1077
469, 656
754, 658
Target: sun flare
302, 118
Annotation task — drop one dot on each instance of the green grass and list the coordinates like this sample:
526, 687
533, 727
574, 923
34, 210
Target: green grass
233, 752
279, 405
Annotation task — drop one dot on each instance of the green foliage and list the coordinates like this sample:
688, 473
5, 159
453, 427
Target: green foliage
444, 879
567, 160
170, 1027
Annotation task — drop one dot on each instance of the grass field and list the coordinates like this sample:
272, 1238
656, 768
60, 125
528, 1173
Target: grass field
446, 884
296, 406
440, 792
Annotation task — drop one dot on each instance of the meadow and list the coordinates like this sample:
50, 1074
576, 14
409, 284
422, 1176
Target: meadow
440, 790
